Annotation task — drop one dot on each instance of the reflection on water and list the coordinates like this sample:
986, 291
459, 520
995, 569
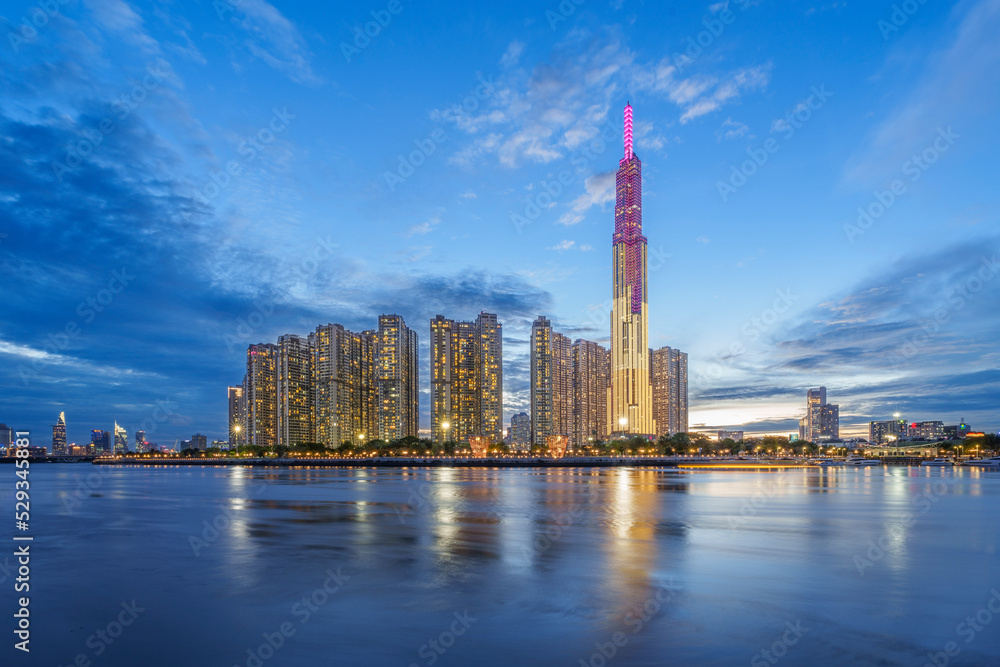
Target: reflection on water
880, 564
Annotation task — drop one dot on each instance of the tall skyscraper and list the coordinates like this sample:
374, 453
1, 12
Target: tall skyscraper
822, 420
551, 382
121, 439
295, 391
466, 378
261, 394
489, 335
236, 419
669, 370
590, 386
630, 394
59, 435
397, 378
344, 391
140, 441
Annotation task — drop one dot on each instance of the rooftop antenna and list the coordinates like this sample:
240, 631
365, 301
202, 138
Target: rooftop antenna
628, 131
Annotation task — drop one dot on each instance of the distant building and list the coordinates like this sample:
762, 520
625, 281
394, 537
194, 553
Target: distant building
590, 392
140, 442
880, 433
520, 432
121, 439
198, 441
344, 387
551, 369
261, 394
397, 378
822, 420
59, 436
669, 373
294, 391
6, 436
735, 436
237, 413
957, 431
931, 430
466, 378
100, 442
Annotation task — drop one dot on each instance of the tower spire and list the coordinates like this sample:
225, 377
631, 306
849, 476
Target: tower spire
628, 131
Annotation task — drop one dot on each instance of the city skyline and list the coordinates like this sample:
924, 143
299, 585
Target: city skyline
774, 270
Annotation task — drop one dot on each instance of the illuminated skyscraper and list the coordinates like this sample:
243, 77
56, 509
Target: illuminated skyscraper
466, 378
551, 383
59, 435
630, 394
822, 420
590, 386
237, 419
261, 394
121, 439
397, 378
669, 374
295, 391
140, 441
344, 391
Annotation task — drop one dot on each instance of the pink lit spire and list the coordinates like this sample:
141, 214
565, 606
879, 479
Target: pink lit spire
628, 131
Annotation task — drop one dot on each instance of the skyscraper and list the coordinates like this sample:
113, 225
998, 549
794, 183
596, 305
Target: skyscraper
121, 439
466, 378
397, 378
344, 390
630, 394
551, 382
140, 441
236, 418
669, 370
295, 391
261, 394
822, 420
520, 432
6, 436
590, 386
59, 435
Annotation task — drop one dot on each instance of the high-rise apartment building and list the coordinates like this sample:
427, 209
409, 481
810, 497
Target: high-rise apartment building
630, 394
590, 387
344, 390
59, 435
260, 392
551, 382
237, 420
822, 420
295, 391
397, 378
121, 439
880, 433
669, 371
520, 432
466, 378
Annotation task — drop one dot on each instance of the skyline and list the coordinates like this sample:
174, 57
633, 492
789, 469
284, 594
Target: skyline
232, 192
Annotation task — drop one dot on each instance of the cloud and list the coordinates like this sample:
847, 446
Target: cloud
958, 87
731, 129
276, 41
513, 54
599, 189
425, 227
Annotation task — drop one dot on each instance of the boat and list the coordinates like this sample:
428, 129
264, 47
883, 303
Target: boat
993, 462
856, 460
938, 463
825, 462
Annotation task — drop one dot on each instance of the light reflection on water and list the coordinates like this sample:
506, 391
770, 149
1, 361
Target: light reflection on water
550, 562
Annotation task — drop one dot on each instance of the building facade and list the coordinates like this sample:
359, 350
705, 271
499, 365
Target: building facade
237, 417
59, 435
397, 378
551, 368
883, 432
466, 378
630, 397
294, 391
121, 439
260, 391
735, 436
669, 372
520, 432
822, 419
590, 386
345, 395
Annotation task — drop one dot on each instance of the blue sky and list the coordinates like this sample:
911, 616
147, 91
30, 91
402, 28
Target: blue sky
181, 179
